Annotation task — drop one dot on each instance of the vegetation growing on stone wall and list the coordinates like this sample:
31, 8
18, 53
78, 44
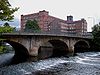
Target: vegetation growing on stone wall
32, 26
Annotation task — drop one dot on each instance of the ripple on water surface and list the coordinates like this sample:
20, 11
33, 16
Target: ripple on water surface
83, 64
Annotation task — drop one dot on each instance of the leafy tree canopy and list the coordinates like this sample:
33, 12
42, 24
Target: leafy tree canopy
6, 11
96, 34
6, 28
32, 26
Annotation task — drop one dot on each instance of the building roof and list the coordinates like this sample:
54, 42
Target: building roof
55, 18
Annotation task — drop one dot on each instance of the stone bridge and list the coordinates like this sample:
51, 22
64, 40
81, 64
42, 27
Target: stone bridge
45, 45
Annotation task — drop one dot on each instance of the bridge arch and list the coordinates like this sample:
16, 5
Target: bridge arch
81, 46
53, 48
21, 53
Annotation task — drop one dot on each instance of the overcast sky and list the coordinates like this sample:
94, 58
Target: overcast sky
88, 9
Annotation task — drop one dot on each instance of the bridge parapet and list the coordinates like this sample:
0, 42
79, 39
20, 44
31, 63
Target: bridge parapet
88, 36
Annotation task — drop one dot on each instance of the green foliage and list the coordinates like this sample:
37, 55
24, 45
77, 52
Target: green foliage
6, 28
32, 26
6, 11
96, 34
2, 49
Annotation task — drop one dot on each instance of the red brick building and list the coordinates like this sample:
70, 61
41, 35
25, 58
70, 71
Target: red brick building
53, 24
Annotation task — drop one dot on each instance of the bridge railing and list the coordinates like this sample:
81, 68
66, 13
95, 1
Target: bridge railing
82, 35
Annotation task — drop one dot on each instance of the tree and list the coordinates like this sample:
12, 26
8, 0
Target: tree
6, 28
6, 24
2, 48
96, 34
6, 11
32, 26
6, 14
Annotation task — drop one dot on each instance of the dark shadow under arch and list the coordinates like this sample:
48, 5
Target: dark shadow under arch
81, 46
21, 53
45, 51
59, 48
56, 48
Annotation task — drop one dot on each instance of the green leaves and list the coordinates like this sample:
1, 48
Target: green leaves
2, 49
31, 26
6, 28
96, 34
6, 12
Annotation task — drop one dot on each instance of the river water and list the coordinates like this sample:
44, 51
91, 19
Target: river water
87, 63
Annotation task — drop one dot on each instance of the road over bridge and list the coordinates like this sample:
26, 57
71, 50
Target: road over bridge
45, 45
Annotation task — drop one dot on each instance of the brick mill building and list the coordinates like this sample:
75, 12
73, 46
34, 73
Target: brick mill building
52, 24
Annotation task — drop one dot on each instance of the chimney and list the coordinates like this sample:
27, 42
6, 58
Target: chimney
43, 12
